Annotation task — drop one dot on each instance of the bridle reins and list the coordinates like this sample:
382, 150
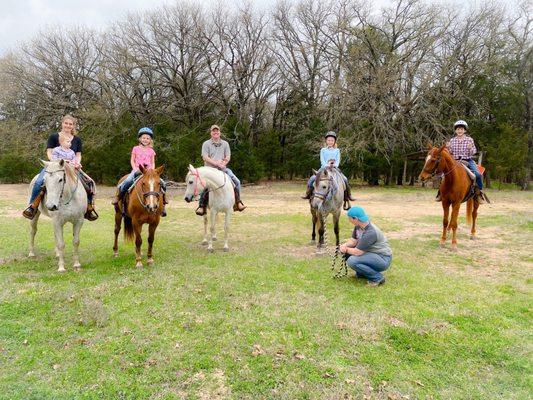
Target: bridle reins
436, 168
63, 185
198, 178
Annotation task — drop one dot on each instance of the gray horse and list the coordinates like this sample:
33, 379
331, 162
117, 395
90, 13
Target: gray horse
65, 201
327, 198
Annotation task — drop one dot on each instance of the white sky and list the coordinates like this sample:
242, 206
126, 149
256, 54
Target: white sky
21, 20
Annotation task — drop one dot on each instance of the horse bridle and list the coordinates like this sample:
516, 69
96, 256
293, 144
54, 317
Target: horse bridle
320, 195
145, 195
63, 185
198, 178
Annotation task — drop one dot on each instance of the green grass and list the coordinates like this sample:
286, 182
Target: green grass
265, 320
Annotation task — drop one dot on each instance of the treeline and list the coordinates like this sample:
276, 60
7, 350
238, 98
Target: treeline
386, 80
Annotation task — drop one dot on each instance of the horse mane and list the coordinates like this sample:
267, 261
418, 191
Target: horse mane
70, 172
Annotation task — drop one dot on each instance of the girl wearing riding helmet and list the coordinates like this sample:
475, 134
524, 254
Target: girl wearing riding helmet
462, 147
330, 155
142, 154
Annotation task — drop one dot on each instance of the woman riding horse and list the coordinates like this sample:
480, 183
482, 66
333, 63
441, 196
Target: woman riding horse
68, 130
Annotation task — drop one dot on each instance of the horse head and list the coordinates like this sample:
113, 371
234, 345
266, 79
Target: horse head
150, 186
195, 184
322, 187
432, 165
57, 173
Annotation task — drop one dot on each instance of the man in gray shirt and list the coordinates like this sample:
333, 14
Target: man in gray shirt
368, 251
217, 154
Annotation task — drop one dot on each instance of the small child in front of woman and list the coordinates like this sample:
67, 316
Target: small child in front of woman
142, 154
330, 155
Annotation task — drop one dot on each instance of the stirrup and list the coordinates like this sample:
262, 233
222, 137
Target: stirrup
29, 212
91, 215
201, 211
346, 205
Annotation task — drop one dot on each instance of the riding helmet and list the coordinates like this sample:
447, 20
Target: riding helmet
145, 131
332, 134
460, 123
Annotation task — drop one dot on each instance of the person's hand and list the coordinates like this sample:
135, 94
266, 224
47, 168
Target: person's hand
343, 248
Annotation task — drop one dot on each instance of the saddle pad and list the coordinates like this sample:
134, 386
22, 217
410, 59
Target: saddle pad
470, 173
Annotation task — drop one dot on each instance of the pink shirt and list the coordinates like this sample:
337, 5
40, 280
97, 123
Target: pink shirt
143, 156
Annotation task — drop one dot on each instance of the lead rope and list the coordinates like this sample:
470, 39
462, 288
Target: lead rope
343, 268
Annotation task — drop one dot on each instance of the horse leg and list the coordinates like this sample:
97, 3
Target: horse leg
453, 224
211, 230
474, 217
33, 231
60, 245
226, 230
445, 220
321, 229
151, 236
336, 228
313, 235
137, 228
118, 223
205, 241
76, 243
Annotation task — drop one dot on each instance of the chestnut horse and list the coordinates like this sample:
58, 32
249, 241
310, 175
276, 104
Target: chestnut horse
142, 207
454, 189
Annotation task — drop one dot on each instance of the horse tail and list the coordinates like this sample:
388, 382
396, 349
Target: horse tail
469, 208
128, 229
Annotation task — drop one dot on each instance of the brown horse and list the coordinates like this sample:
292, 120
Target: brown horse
454, 189
142, 206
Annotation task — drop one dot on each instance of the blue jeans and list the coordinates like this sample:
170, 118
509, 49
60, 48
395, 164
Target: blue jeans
126, 183
235, 180
39, 182
369, 265
473, 167
312, 180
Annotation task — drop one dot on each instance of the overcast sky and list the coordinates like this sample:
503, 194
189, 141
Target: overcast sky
21, 20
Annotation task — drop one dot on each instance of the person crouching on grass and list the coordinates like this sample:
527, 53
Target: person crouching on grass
367, 252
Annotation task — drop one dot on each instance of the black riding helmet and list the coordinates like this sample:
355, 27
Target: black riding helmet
330, 134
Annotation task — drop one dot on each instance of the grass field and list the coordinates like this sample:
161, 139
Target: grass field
266, 320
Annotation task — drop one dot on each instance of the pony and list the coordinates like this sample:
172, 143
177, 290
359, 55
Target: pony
65, 201
327, 198
141, 206
455, 189
221, 199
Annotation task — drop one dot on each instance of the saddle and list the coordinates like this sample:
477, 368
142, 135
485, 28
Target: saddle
473, 185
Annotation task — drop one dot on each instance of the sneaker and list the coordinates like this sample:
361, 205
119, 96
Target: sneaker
374, 284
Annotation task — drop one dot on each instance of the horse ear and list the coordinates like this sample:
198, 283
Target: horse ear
61, 162
315, 172
429, 144
142, 169
192, 170
44, 163
160, 170
442, 147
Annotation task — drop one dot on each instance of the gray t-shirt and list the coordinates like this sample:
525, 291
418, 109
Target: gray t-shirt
370, 239
216, 151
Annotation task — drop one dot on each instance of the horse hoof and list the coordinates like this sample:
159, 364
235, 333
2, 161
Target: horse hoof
61, 270
472, 237
442, 245
211, 250
31, 254
139, 265
226, 249
312, 243
454, 249
214, 239
150, 262
204, 242
115, 254
77, 266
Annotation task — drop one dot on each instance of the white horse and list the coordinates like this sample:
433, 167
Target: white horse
65, 201
221, 198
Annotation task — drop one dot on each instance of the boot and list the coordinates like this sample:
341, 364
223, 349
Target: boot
348, 194
34, 206
308, 193
479, 195
202, 204
438, 198
165, 202
238, 206
90, 213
